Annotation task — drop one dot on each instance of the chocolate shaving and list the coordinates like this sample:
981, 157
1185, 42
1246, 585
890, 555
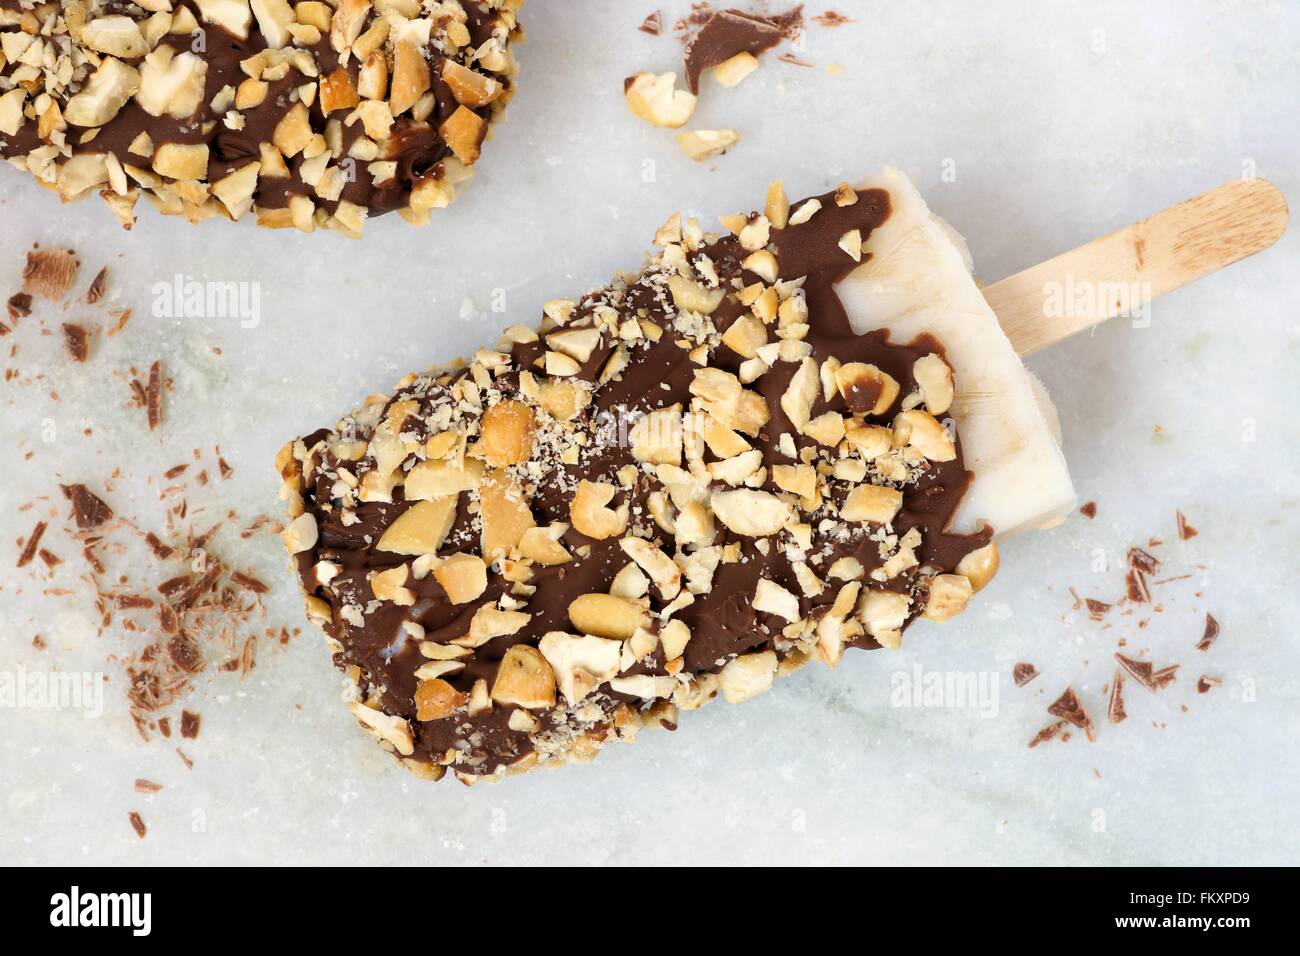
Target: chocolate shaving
1097, 608
1047, 733
249, 582
175, 585
1068, 707
20, 305
137, 824
33, 542
77, 341
1088, 509
49, 273
160, 551
1023, 673
1140, 670
1115, 712
1205, 684
185, 653
192, 593
88, 510
153, 395
189, 724
146, 786
653, 24
97, 286
1164, 677
1143, 561
1135, 587
120, 320
1145, 674
1210, 635
1185, 531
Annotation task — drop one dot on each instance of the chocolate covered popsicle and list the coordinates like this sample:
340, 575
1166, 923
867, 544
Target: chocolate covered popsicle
307, 115
676, 488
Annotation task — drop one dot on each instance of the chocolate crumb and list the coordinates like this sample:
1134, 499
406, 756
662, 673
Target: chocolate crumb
1115, 712
653, 24
153, 395
98, 285
137, 824
1185, 530
88, 510
38, 642
33, 542
1210, 635
1047, 733
1088, 509
1068, 707
77, 341
793, 60
20, 305
1205, 684
831, 19
1023, 673
189, 724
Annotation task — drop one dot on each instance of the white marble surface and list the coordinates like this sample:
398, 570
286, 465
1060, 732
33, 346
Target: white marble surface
1064, 121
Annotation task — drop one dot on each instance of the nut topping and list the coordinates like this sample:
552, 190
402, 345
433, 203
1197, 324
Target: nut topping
524, 679
653, 98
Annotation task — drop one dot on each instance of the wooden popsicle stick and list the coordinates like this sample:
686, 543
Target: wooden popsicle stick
1123, 271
